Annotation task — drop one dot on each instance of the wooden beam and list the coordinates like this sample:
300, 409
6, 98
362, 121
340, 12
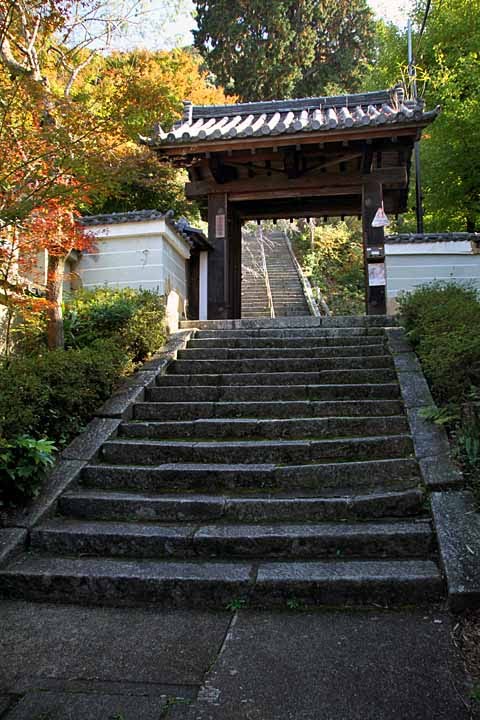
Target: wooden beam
260, 185
324, 191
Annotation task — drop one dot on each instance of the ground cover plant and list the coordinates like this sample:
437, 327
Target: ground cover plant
442, 321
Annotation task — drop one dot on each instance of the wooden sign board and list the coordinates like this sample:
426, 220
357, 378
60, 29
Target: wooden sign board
376, 274
220, 225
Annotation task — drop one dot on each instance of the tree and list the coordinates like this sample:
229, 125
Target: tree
261, 50
135, 90
54, 149
448, 70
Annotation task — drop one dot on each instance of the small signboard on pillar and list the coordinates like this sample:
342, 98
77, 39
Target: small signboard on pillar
220, 223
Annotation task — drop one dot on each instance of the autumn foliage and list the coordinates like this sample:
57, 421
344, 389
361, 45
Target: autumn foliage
70, 120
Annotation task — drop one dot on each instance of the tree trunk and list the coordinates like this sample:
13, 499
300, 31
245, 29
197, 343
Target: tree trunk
56, 268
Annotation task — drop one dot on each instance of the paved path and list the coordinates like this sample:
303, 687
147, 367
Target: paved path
71, 663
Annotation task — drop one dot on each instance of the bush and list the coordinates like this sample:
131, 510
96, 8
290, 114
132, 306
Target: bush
442, 321
54, 394
24, 462
133, 318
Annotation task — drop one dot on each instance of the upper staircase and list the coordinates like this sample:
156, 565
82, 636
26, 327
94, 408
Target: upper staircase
272, 464
255, 300
287, 291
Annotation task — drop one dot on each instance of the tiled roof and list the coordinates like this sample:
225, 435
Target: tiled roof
124, 217
285, 117
399, 238
181, 226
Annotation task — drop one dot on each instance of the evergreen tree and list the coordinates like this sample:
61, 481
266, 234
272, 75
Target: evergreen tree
261, 50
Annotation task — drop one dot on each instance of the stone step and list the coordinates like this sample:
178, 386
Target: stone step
214, 584
254, 300
277, 409
329, 478
255, 307
262, 353
394, 539
289, 313
286, 332
143, 452
296, 428
262, 312
291, 287
347, 377
256, 313
334, 321
314, 392
255, 304
278, 365
88, 504
338, 345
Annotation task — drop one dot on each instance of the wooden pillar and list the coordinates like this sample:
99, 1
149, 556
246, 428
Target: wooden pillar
373, 250
218, 258
235, 265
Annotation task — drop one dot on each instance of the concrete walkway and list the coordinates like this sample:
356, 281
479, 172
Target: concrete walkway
71, 663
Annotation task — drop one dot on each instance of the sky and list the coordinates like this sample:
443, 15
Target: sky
179, 31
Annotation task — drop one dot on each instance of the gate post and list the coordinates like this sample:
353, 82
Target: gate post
373, 249
218, 259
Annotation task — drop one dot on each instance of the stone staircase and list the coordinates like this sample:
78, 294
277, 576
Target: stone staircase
254, 288
271, 465
287, 291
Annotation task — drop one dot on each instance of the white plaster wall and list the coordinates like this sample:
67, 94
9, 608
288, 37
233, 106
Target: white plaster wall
146, 255
409, 265
203, 289
174, 271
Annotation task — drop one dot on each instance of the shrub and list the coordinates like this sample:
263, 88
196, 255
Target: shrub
54, 394
442, 321
24, 462
133, 318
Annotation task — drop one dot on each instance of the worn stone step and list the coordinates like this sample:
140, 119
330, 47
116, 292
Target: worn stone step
297, 428
251, 353
149, 452
286, 332
334, 321
289, 313
87, 504
341, 345
175, 583
260, 314
277, 409
316, 583
348, 377
394, 539
115, 582
254, 302
278, 365
329, 478
227, 393
256, 307
351, 344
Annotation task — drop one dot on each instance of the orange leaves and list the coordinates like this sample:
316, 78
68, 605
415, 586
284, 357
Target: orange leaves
54, 227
